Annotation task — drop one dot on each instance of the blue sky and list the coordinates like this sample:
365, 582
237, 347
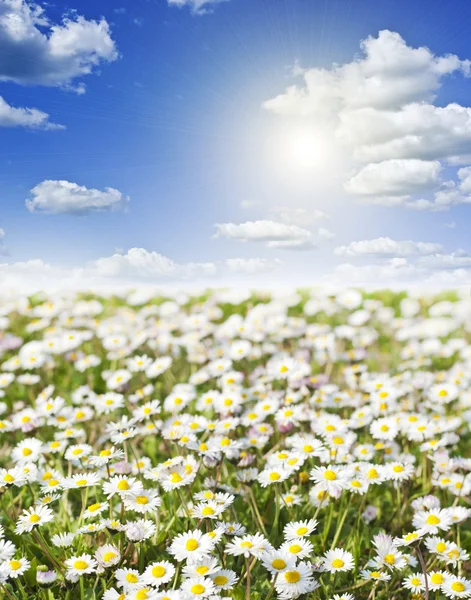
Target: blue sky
172, 115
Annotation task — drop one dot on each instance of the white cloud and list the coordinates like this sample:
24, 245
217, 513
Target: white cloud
379, 113
31, 118
385, 246
272, 233
51, 196
456, 260
139, 263
198, 7
33, 50
395, 178
417, 130
387, 75
135, 267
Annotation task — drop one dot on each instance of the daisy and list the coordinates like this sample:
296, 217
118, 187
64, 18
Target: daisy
414, 583
333, 479
225, 579
299, 580
143, 502
205, 567
207, 510
128, 579
433, 520
338, 560
277, 561
95, 509
191, 546
248, 545
300, 548
77, 566
158, 573
14, 568
122, 485
456, 587
33, 517
436, 579
198, 587
107, 555
299, 529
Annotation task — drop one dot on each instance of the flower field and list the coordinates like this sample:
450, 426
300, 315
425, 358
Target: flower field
235, 445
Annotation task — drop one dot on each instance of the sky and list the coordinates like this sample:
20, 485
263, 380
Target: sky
235, 142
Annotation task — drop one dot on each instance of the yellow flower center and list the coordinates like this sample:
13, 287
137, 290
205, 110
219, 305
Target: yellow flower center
440, 547
220, 580
337, 563
192, 544
433, 520
158, 571
292, 576
302, 531
278, 564
15, 565
330, 475
197, 589
80, 565
109, 556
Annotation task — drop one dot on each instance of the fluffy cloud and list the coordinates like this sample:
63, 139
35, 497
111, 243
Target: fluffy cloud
140, 263
395, 178
388, 75
198, 7
51, 196
385, 246
35, 51
417, 130
272, 233
380, 112
136, 262
31, 118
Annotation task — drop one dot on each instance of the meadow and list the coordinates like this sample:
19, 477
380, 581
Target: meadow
235, 445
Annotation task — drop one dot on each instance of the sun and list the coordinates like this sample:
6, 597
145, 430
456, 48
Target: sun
301, 150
